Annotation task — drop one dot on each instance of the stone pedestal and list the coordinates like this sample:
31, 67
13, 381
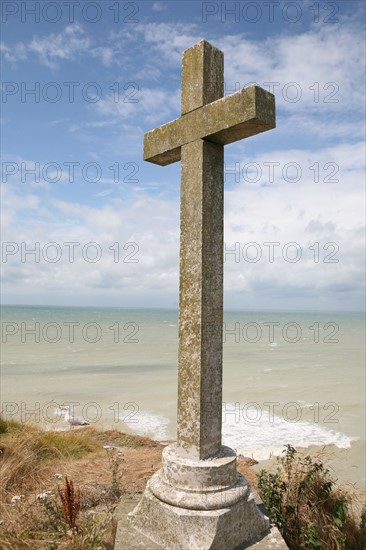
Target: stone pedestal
192, 504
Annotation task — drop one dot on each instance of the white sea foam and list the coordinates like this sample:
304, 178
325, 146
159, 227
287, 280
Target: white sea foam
153, 425
305, 404
253, 432
256, 433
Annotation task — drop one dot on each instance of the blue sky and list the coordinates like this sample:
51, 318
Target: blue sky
105, 225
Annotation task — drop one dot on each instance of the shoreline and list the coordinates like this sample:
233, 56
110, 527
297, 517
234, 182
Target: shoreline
343, 467
347, 464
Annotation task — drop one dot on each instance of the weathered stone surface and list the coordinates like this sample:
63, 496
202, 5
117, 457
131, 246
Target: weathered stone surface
245, 113
175, 528
201, 264
199, 484
202, 76
128, 538
201, 299
184, 472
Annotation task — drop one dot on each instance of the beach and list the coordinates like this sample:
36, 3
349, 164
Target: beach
289, 377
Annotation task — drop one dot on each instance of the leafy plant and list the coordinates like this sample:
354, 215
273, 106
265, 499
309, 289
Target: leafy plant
115, 458
309, 509
54, 515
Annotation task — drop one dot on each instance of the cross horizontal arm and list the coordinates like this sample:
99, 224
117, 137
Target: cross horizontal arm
240, 115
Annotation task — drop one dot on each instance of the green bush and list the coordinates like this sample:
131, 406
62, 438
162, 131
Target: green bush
310, 511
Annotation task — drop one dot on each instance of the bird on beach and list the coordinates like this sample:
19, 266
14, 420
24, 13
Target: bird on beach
73, 420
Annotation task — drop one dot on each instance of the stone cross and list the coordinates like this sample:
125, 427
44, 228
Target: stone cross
208, 122
198, 500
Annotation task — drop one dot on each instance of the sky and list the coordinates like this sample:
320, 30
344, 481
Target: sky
86, 222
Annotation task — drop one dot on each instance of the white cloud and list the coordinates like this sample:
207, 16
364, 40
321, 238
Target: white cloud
69, 44
304, 212
324, 55
159, 6
169, 39
324, 219
104, 53
152, 104
341, 165
12, 203
112, 227
13, 54
316, 125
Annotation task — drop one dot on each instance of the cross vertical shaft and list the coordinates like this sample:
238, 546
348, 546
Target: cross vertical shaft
201, 264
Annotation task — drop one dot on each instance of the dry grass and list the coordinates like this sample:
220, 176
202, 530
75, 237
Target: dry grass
26, 452
29, 460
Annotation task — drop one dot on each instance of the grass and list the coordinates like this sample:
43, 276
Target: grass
120, 439
24, 450
61, 517
6, 425
310, 510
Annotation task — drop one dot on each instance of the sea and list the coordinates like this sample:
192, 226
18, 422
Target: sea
293, 378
